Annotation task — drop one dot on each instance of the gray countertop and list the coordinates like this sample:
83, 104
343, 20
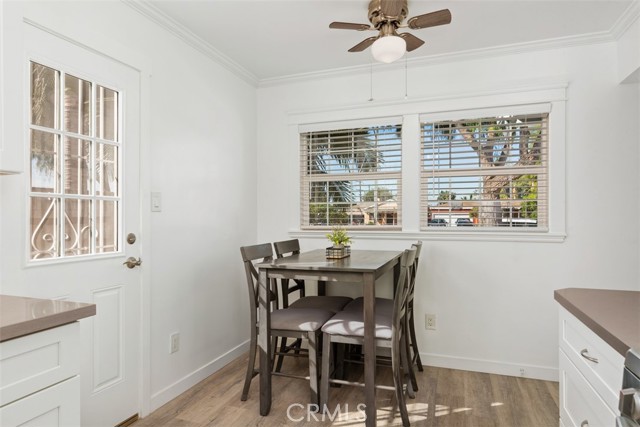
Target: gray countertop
20, 316
612, 314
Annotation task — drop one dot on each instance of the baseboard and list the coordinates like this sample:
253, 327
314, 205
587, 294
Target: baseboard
185, 383
490, 366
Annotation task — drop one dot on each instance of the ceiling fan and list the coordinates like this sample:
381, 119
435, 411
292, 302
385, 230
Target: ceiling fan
386, 17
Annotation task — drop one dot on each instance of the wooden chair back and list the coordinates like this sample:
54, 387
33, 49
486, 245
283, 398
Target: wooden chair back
250, 255
400, 299
414, 270
287, 248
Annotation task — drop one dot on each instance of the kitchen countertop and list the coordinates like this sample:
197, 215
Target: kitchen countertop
20, 316
612, 314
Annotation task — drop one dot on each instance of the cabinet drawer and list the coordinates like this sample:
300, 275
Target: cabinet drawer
55, 406
33, 362
581, 406
606, 375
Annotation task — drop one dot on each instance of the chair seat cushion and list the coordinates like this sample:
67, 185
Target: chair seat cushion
383, 306
299, 319
330, 303
351, 324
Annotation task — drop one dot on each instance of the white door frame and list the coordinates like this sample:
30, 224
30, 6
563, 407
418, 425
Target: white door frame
140, 63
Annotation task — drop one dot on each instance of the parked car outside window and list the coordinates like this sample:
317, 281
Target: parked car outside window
438, 222
464, 222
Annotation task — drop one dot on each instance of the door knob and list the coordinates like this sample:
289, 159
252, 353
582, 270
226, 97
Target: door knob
132, 262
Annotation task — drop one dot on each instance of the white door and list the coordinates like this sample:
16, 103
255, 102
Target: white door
83, 128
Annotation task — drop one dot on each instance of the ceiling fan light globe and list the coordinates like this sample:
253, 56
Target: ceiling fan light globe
388, 49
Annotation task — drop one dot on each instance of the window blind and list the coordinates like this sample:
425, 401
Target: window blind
488, 172
351, 177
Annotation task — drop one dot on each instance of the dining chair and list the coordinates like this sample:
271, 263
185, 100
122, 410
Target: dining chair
333, 303
325, 302
303, 323
385, 305
347, 327
415, 358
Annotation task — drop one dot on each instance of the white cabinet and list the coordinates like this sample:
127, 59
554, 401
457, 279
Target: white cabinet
590, 376
39, 383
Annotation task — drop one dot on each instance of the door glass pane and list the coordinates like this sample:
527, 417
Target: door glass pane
106, 170
77, 175
74, 166
44, 227
106, 114
106, 226
77, 227
77, 105
44, 162
44, 96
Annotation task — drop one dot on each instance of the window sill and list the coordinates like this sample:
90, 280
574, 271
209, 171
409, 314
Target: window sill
476, 236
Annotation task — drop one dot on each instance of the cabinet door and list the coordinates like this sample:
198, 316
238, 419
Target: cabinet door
580, 405
34, 362
55, 406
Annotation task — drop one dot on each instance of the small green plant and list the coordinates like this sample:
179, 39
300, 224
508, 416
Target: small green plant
339, 237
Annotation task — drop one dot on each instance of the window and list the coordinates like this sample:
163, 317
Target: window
75, 202
351, 177
487, 172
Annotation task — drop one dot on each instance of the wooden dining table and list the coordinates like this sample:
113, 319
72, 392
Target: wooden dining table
362, 267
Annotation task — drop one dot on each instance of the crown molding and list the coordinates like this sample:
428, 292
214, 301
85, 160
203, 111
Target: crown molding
151, 12
467, 55
626, 20
154, 14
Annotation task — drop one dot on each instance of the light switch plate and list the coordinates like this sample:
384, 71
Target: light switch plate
156, 202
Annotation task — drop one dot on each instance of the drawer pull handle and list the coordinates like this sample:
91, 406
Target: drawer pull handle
585, 423
585, 353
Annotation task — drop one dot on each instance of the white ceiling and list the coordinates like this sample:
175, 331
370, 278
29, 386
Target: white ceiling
276, 38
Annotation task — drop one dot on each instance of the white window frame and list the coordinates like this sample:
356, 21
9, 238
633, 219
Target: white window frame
525, 96
367, 176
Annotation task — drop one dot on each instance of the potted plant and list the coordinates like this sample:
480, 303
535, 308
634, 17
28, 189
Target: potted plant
340, 241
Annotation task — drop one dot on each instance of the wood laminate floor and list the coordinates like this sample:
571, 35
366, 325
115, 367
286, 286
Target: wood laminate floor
447, 398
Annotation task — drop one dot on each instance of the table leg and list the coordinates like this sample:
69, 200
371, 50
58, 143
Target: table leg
264, 343
369, 291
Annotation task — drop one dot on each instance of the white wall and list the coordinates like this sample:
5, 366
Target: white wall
200, 153
494, 300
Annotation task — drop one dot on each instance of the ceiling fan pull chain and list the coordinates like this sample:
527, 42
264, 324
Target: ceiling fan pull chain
371, 81
406, 80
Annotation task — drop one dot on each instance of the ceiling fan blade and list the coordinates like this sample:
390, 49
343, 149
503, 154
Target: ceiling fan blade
349, 26
433, 19
363, 44
391, 8
412, 41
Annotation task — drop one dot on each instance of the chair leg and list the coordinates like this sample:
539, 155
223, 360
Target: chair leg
339, 361
250, 365
313, 366
407, 362
396, 350
326, 371
414, 342
406, 365
280, 357
274, 346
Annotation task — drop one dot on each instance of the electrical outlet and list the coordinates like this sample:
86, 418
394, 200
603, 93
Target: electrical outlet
522, 372
175, 342
430, 321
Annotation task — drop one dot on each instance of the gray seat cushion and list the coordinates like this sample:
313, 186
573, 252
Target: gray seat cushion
330, 303
351, 324
299, 319
383, 306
